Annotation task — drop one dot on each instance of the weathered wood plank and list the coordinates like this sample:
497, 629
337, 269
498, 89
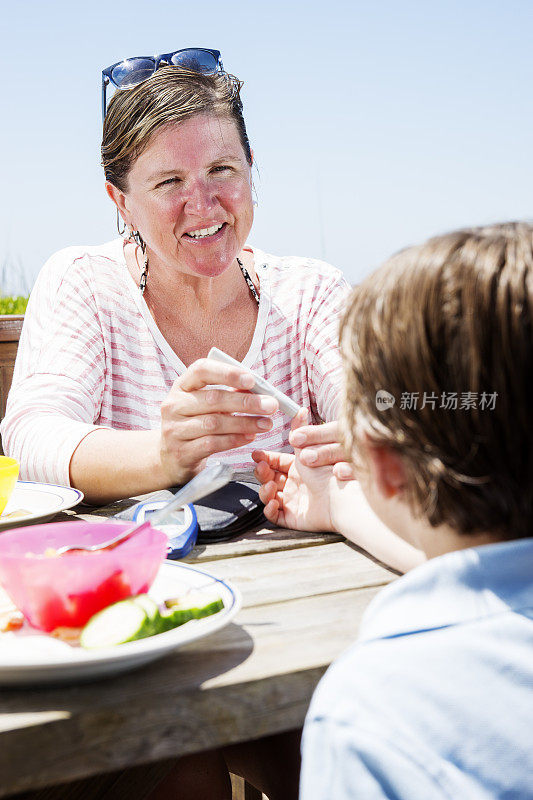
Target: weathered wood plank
260, 540
249, 680
136, 782
275, 577
11, 327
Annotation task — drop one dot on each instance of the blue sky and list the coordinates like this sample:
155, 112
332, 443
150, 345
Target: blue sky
374, 124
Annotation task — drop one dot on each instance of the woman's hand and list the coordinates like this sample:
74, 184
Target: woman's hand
198, 421
320, 446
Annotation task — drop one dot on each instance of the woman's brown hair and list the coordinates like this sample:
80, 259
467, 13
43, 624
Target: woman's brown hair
171, 94
452, 318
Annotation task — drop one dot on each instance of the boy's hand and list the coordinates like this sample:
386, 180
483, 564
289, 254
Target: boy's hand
295, 496
320, 446
314, 499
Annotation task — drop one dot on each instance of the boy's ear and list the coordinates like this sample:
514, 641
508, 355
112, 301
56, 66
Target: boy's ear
386, 467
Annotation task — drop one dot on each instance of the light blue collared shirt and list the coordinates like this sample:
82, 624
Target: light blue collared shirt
435, 700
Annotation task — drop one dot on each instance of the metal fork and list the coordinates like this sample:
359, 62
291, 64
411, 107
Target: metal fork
208, 480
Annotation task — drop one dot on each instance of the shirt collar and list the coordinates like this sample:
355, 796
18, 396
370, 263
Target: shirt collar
454, 588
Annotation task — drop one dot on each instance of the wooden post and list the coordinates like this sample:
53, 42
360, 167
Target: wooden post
242, 790
10, 328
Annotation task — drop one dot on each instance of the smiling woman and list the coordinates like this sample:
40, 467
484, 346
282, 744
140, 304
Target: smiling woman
196, 216
112, 392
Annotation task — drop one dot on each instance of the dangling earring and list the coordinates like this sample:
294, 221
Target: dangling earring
119, 218
131, 234
139, 241
137, 238
144, 273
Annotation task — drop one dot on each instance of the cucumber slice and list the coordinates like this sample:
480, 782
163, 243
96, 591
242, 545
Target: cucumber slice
121, 622
194, 605
138, 617
152, 611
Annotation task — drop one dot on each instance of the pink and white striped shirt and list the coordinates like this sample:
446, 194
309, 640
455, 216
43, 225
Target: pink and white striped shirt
91, 354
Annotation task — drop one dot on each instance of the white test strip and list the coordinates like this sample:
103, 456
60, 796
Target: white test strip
261, 386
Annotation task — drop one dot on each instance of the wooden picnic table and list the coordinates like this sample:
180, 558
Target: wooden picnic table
303, 598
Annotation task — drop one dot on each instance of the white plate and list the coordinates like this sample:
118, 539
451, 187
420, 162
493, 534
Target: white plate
40, 659
39, 501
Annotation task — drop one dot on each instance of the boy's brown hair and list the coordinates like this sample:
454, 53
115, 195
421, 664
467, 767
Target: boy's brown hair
434, 323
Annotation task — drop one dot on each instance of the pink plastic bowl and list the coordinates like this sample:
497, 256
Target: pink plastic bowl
67, 590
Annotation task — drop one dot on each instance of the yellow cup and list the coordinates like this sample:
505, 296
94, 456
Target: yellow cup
9, 472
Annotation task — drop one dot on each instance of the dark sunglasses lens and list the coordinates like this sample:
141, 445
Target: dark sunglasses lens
197, 60
132, 71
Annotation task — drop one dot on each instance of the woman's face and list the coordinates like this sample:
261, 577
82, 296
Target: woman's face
189, 196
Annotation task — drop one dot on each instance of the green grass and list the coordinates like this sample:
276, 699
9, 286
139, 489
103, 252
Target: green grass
13, 305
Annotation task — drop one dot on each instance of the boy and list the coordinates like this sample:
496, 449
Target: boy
435, 700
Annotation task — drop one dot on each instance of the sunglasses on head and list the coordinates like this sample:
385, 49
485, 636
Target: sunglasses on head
131, 71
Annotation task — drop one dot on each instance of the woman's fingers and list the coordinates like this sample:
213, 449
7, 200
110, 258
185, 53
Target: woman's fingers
322, 455
193, 451
219, 424
190, 416
320, 446
344, 471
198, 419
311, 435
300, 419
206, 372
208, 401
208, 445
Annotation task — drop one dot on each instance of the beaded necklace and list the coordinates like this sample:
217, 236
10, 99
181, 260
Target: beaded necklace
246, 275
248, 280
